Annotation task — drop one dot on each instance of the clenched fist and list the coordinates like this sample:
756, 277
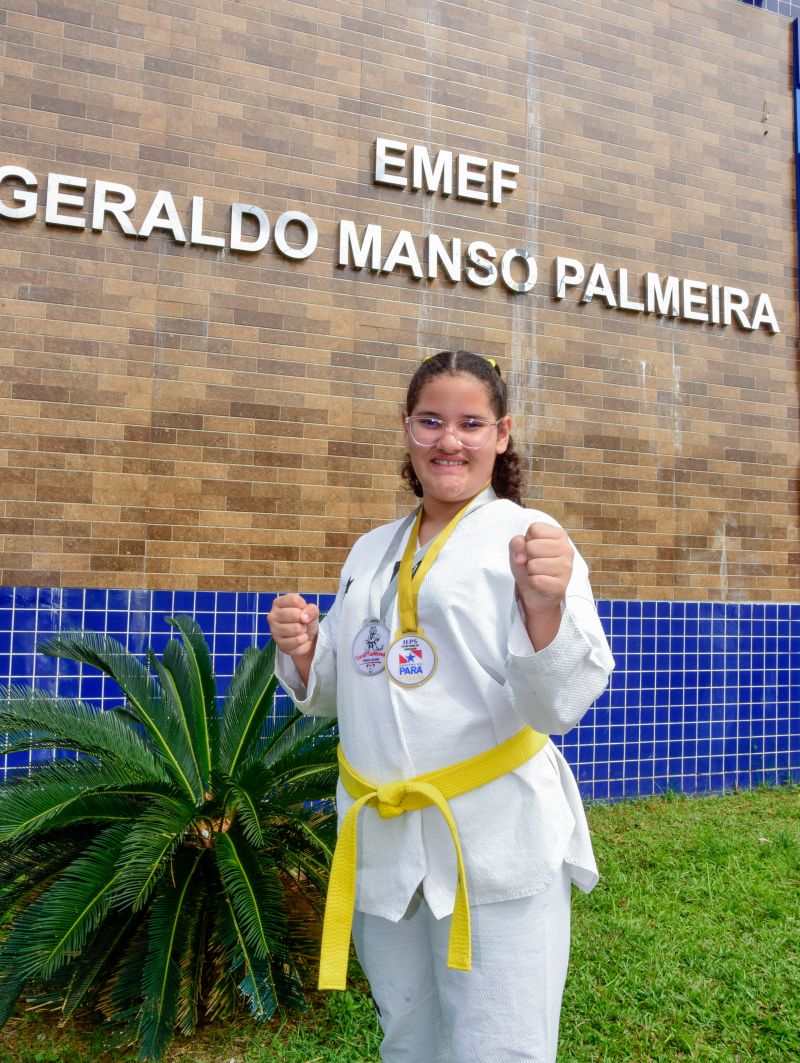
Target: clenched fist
293, 624
541, 563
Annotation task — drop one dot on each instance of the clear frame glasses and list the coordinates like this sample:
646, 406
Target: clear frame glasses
471, 432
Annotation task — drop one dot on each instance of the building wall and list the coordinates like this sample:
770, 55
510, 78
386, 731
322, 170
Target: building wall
179, 419
184, 417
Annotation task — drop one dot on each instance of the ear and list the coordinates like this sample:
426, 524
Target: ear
406, 440
503, 435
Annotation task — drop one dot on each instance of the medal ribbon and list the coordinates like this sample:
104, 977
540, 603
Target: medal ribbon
408, 581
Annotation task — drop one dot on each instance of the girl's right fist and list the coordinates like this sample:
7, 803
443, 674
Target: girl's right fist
293, 624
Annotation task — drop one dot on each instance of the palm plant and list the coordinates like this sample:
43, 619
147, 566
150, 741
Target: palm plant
156, 874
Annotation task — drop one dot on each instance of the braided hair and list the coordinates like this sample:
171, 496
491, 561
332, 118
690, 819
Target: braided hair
507, 471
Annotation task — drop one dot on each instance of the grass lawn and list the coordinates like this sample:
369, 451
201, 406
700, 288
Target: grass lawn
688, 949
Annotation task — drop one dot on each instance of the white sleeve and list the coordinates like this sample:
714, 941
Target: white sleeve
553, 688
319, 697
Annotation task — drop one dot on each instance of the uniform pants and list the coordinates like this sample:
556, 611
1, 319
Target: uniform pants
505, 1010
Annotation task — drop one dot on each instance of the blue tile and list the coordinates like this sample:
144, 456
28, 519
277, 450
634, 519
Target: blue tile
162, 601
183, 602
615, 789
15, 759
24, 619
96, 599
23, 642
223, 664
225, 622
91, 686
48, 597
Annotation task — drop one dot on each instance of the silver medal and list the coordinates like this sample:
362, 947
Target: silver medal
369, 648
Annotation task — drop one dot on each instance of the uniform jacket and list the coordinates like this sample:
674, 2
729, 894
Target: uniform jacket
518, 830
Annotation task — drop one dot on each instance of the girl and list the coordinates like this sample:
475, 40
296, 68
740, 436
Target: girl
460, 638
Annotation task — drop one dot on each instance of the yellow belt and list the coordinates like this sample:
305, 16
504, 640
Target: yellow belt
393, 799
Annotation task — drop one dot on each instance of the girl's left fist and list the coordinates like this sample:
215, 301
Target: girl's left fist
541, 563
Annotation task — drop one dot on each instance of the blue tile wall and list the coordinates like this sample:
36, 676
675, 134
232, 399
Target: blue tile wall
706, 695
788, 8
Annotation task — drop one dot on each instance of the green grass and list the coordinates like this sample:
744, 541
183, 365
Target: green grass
688, 949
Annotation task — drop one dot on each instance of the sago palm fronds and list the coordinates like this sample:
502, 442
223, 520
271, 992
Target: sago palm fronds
156, 875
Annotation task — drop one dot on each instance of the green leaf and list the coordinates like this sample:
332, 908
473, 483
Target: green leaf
146, 851
220, 997
95, 958
26, 868
11, 985
249, 816
167, 932
144, 697
249, 702
62, 790
193, 961
307, 845
179, 696
255, 896
294, 737
56, 925
257, 984
200, 670
300, 767
65, 723
119, 994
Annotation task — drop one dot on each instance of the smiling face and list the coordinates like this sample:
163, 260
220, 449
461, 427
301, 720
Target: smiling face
451, 474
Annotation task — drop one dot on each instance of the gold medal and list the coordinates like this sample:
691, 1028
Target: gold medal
411, 660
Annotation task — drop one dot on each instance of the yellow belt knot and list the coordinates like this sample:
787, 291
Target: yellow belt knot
393, 799
389, 799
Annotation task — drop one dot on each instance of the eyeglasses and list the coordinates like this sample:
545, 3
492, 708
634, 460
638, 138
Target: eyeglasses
470, 432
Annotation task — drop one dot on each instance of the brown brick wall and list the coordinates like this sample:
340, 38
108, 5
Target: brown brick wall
179, 417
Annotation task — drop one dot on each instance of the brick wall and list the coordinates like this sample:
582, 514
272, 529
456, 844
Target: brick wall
181, 417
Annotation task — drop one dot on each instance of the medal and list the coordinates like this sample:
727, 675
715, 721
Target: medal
369, 648
411, 660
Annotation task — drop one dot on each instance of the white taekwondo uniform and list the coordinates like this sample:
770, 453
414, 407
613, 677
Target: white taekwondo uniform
522, 835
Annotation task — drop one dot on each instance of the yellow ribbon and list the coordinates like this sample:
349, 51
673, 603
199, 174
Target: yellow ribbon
394, 799
408, 581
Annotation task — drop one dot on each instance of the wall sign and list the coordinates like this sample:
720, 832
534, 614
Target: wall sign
71, 202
